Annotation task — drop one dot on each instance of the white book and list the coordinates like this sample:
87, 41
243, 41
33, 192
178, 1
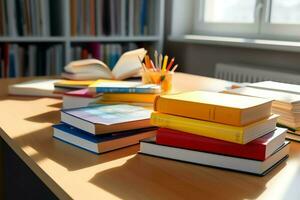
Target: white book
127, 66
149, 147
277, 86
34, 88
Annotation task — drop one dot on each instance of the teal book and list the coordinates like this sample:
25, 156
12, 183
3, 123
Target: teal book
102, 119
112, 86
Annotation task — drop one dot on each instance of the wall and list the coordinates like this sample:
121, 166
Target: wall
201, 59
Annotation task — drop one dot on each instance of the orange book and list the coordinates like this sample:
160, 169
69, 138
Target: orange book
216, 107
73, 8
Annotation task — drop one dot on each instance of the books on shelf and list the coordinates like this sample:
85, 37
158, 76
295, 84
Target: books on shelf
216, 107
100, 143
44, 87
235, 134
101, 119
192, 129
100, 17
25, 18
30, 60
126, 66
80, 98
258, 149
257, 167
112, 86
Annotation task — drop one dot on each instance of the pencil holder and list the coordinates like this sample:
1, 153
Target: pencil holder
164, 79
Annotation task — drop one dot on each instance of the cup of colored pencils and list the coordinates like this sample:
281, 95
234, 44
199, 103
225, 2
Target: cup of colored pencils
159, 72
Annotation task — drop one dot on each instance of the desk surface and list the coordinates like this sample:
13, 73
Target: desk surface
72, 173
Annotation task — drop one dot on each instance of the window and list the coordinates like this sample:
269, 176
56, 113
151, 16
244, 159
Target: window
271, 19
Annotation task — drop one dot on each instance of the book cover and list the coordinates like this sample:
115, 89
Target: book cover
112, 86
235, 134
216, 107
100, 143
258, 149
100, 119
149, 147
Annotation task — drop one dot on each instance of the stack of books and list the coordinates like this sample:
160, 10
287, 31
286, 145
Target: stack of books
220, 130
286, 102
103, 128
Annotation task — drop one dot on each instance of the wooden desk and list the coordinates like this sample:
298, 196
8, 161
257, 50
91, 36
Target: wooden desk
72, 173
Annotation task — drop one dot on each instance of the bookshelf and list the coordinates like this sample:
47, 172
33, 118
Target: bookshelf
137, 23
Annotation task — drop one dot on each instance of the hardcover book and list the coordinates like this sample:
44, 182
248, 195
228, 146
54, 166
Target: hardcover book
149, 147
100, 119
236, 134
258, 149
217, 107
100, 143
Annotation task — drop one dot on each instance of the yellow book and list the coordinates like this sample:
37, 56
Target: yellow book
216, 107
73, 84
241, 135
129, 97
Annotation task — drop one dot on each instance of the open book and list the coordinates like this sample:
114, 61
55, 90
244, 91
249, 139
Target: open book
127, 66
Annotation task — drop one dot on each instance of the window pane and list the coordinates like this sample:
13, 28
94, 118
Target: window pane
229, 11
285, 12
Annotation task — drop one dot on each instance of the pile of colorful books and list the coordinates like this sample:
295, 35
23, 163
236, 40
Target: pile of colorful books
102, 128
220, 130
286, 102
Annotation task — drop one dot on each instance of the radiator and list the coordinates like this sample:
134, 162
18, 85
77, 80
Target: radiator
246, 73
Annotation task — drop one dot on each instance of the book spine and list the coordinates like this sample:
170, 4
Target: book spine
196, 142
224, 115
199, 127
125, 90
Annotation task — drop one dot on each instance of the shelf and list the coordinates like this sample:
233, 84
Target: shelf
115, 39
33, 39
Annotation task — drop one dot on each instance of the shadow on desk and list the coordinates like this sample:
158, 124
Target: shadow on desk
72, 158
145, 177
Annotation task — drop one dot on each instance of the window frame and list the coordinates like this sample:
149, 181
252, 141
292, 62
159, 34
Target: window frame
260, 29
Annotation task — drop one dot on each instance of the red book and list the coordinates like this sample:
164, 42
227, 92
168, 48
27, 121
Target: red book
258, 149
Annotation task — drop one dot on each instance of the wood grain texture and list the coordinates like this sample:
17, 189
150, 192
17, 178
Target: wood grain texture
72, 173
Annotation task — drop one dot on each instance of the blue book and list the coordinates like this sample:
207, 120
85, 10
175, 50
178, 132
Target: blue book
103, 119
100, 143
109, 86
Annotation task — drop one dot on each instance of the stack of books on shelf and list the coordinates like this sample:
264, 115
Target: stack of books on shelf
30, 60
103, 128
220, 130
25, 18
100, 17
286, 102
